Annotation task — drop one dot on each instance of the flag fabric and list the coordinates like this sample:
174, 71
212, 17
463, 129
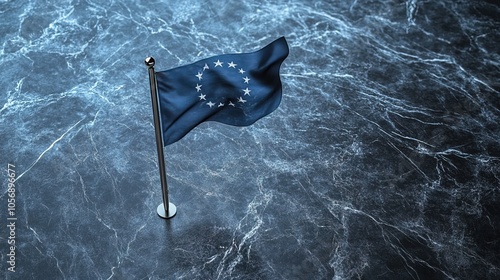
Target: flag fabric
234, 89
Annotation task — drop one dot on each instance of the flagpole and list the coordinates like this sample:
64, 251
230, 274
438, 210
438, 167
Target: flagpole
167, 209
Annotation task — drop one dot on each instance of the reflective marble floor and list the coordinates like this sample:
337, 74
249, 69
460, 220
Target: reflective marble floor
382, 161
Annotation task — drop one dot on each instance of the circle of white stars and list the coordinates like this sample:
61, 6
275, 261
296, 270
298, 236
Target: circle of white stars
244, 91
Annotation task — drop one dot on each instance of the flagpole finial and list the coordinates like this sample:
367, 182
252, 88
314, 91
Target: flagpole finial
150, 61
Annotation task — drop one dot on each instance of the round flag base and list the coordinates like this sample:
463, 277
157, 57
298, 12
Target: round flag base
172, 210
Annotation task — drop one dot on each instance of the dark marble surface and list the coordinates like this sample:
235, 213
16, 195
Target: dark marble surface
382, 162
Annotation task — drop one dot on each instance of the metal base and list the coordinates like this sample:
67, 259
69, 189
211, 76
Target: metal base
172, 210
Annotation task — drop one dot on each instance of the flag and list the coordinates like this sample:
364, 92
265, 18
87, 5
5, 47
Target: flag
234, 89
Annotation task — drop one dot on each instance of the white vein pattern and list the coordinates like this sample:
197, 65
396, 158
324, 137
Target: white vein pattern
382, 161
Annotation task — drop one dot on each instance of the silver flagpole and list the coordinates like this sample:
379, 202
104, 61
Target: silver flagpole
165, 210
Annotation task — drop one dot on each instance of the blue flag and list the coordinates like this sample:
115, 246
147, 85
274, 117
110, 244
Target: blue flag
234, 89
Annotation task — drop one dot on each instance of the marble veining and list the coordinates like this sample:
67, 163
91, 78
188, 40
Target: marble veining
382, 162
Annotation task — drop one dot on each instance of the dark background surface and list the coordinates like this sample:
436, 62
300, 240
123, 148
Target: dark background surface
382, 161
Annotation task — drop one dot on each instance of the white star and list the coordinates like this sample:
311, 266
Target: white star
241, 100
205, 67
246, 80
210, 104
231, 64
231, 103
241, 71
218, 63
198, 87
221, 104
202, 96
246, 91
199, 75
